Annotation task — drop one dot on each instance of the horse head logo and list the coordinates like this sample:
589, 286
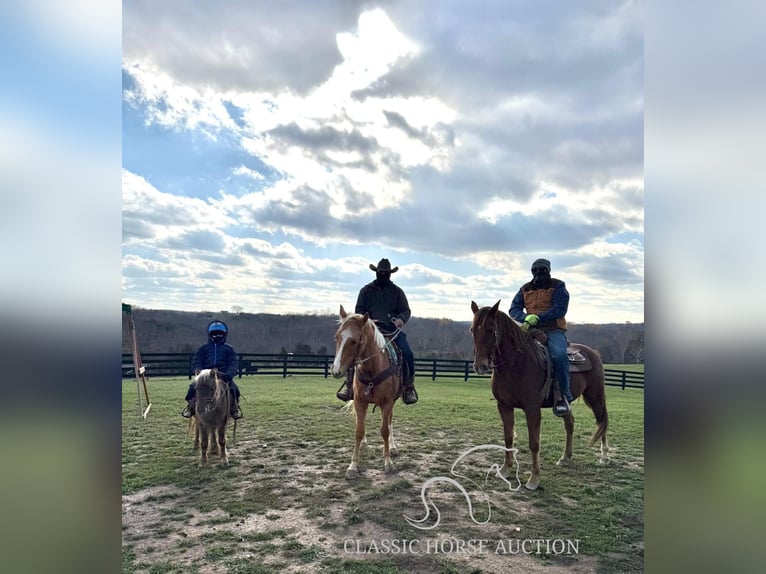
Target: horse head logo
494, 469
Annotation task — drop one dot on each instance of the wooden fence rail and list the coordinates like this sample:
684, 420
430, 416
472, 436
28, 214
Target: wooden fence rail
179, 365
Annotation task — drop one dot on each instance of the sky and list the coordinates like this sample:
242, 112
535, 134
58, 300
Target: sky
272, 150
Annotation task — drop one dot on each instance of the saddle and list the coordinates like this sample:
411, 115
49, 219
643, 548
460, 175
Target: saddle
396, 366
578, 363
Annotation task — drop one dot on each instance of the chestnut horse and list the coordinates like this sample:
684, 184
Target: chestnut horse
377, 379
211, 414
503, 347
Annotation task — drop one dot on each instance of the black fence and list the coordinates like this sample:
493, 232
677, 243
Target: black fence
179, 365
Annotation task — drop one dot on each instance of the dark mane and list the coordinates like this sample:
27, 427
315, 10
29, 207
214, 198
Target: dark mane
519, 339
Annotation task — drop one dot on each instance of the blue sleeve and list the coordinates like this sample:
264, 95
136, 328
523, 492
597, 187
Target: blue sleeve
198, 359
517, 307
559, 304
232, 364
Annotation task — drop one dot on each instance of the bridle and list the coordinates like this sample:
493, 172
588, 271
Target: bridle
496, 352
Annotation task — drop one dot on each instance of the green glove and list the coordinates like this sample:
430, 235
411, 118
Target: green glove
531, 319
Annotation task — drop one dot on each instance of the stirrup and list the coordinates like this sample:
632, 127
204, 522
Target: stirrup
187, 413
413, 399
345, 394
561, 408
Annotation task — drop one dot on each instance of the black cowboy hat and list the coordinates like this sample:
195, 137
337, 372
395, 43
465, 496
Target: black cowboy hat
384, 265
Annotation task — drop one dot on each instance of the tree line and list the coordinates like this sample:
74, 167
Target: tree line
164, 331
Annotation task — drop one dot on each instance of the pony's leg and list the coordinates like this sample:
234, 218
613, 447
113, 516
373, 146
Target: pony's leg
222, 444
386, 413
509, 434
533, 426
203, 446
195, 447
360, 410
566, 458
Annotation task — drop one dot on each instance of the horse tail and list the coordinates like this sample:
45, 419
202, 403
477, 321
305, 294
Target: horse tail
603, 424
594, 395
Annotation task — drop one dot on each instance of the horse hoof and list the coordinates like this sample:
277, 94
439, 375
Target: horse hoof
394, 452
564, 461
389, 469
532, 484
351, 473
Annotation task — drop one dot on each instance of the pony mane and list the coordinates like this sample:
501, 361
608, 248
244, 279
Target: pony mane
210, 379
377, 336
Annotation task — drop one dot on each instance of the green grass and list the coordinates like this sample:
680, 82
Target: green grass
289, 460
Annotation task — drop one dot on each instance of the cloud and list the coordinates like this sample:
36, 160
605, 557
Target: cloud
472, 139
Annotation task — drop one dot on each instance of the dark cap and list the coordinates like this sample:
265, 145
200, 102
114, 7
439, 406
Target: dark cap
542, 263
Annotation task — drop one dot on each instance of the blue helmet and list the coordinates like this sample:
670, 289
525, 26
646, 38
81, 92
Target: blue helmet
217, 331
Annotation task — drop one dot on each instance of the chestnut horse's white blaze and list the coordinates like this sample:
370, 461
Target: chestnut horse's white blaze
359, 344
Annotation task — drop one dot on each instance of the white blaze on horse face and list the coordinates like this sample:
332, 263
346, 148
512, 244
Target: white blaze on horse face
336, 365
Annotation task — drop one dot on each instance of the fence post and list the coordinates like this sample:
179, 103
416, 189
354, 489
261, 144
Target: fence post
433, 370
624, 374
284, 367
326, 365
465, 375
189, 371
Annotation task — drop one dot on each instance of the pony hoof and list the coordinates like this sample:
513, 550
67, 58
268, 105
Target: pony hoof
351, 473
394, 452
389, 469
564, 462
532, 484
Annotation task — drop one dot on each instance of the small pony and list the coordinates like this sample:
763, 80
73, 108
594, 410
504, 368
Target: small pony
377, 379
518, 375
211, 414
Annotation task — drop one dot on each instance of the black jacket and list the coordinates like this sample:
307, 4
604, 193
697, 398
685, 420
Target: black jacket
383, 304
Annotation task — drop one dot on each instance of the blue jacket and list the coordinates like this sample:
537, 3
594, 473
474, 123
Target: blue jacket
220, 356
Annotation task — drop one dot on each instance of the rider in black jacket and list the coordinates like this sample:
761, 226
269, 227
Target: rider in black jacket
387, 305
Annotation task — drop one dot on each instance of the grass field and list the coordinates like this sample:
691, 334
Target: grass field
283, 504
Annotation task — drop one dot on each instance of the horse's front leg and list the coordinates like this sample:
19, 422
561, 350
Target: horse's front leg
224, 455
203, 432
394, 450
566, 458
507, 414
534, 418
195, 447
360, 410
386, 415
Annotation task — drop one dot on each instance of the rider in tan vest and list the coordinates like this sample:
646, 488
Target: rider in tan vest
542, 303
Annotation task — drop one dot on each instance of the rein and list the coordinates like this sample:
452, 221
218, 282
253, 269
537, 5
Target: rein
382, 375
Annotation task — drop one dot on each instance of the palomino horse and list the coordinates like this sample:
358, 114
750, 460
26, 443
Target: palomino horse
211, 414
377, 379
518, 374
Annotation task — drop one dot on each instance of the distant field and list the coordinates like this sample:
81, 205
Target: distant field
283, 504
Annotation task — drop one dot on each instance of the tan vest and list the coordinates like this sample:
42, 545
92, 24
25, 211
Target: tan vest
538, 301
